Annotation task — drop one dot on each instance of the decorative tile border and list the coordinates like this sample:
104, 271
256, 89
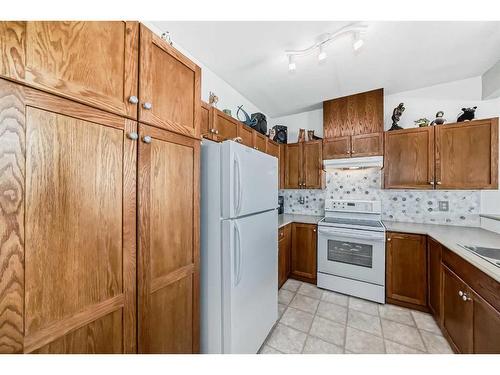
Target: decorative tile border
417, 206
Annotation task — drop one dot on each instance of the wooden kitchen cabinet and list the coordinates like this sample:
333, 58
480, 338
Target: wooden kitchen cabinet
95, 63
224, 127
246, 135
457, 312
169, 87
68, 259
284, 243
434, 253
259, 141
406, 271
304, 165
168, 262
205, 120
303, 258
273, 148
467, 155
485, 326
282, 166
409, 159
353, 125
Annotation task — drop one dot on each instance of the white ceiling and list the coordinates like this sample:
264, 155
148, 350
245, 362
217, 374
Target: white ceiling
397, 56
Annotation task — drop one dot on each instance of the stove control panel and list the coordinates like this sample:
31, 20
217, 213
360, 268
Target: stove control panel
353, 206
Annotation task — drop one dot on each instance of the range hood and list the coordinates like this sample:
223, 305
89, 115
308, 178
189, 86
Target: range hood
354, 163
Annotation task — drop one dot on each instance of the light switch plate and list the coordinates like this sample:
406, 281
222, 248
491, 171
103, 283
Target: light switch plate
444, 205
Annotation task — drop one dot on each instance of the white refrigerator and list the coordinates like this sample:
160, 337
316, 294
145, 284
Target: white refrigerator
239, 247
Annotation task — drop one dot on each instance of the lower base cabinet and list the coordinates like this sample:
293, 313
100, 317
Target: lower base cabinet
304, 253
284, 241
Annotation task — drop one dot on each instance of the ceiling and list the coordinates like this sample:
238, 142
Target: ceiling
397, 56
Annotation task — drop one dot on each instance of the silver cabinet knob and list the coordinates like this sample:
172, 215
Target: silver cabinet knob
389, 239
431, 182
464, 297
147, 105
216, 131
147, 139
439, 182
314, 230
460, 293
133, 136
133, 99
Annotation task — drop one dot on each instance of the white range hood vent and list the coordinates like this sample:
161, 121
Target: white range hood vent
354, 163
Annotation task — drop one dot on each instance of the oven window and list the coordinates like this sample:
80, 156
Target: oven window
351, 253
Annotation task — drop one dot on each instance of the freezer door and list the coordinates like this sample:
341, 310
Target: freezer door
250, 281
249, 180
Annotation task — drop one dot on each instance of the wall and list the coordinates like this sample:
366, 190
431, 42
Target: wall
425, 102
229, 98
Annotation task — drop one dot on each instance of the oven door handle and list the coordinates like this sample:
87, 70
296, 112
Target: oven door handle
378, 237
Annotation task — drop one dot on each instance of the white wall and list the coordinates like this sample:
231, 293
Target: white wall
229, 98
425, 102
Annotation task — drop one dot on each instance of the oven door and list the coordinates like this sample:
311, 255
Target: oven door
351, 253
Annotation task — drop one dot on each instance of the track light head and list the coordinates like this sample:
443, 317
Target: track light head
322, 53
291, 64
358, 41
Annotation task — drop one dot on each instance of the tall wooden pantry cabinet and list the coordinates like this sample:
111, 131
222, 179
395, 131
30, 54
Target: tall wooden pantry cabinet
99, 191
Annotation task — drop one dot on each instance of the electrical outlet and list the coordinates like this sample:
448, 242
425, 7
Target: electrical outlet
444, 205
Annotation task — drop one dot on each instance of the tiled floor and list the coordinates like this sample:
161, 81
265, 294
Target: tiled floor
316, 321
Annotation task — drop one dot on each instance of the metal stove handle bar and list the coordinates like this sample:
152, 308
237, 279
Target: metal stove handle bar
380, 236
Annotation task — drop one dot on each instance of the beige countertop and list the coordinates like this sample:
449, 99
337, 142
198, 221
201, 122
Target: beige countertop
451, 236
285, 219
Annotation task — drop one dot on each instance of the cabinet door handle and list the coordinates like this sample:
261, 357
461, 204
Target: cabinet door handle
314, 230
147, 139
389, 239
439, 182
133, 99
147, 105
133, 136
431, 182
460, 293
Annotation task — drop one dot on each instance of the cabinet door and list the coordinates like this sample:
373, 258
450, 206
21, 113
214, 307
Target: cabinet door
273, 148
486, 327
366, 112
205, 125
406, 268
91, 62
336, 118
282, 257
224, 126
282, 166
246, 135
409, 159
434, 277
312, 165
303, 253
467, 155
293, 166
68, 268
169, 87
337, 148
457, 312
259, 141
168, 266
367, 144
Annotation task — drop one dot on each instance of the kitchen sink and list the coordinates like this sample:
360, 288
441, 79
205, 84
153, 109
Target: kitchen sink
490, 254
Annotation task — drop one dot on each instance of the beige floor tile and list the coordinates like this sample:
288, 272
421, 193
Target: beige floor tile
396, 313
334, 297
304, 303
426, 322
310, 290
368, 307
436, 344
292, 285
318, 346
333, 312
392, 347
281, 310
365, 322
403, 334
361, 342
297, 319
287, 340
285, 296
327, 330
268, 350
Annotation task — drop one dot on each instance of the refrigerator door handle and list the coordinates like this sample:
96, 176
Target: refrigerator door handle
237, 255
237, 185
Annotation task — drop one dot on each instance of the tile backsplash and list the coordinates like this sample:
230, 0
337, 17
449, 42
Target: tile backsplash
417, 206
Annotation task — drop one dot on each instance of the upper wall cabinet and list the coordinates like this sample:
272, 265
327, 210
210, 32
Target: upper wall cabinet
352, 125
304, 165
452, 156
467, 155
205, 120
169, 88
95, 63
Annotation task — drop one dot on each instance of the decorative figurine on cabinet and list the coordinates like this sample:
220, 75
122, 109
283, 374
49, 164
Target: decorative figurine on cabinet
396, 115
302, 135
421, 122
439, 120
467, 114
311, 136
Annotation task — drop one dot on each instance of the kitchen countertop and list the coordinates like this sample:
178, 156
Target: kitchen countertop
285, 219
452, 235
